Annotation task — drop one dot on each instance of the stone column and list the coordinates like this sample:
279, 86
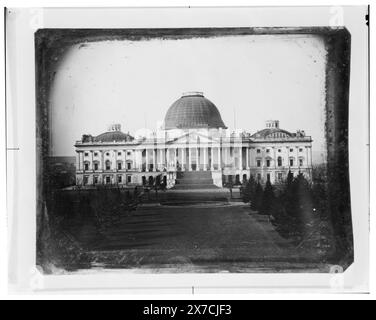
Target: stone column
147, 159
158, 153
225, 160
175, 157
154, 160
275, 158
183, 158
297, 158
114, 166
205, 158
167, 158
241, 158
138, 159
125, 160
164, 157
92, 160
247, 158
219, 158
102, 160
189, 159
197, 159
212, 158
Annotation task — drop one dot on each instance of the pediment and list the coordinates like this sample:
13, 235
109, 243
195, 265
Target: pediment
193, 138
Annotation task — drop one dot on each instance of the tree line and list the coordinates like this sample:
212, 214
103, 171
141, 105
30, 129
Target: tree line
295, 206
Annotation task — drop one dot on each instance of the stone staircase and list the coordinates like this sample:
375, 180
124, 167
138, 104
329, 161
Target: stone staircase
194, 180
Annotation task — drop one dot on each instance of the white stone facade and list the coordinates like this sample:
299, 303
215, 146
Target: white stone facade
231, 158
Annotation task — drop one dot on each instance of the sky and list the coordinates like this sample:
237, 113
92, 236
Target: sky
250, 79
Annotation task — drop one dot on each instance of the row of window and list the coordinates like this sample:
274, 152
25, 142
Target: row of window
107, 166
108, 153
107, 179
130, 153
279, 162
279, 177
279, 150
231, 178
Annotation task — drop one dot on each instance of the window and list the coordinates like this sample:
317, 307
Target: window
86, 166
268, 176
300, 150
95, 180
291, 162
300, 162
129, 153
259, 177
86, 154
258, 151
291, 150
119, 165
129, 179
108, 180
268, 163
95, 154
279, 150
119, 179
280, 176
107, 153
279, 162
259, 163
119, 153
267, 150
96, 166
108, 165
86, 180
129, 166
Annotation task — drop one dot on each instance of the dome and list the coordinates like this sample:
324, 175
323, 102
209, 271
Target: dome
193, 110
112, 136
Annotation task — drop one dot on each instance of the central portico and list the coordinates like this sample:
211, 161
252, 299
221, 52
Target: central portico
192, 141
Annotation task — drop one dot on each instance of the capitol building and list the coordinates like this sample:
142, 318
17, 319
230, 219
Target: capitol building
193, 149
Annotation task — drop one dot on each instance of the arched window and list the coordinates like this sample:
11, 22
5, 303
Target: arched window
108, 165
279, 161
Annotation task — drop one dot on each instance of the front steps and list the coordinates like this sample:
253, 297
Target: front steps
190, 180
